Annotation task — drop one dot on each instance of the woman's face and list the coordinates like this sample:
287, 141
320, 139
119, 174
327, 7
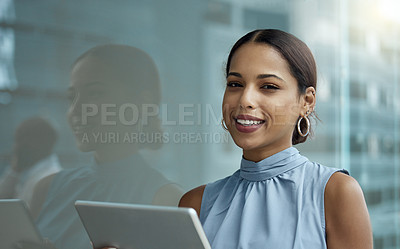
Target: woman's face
261, 103
95, 96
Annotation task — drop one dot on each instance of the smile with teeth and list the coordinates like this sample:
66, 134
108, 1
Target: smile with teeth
246, 122
82, 128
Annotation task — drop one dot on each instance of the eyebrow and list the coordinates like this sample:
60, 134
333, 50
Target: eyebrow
260, 76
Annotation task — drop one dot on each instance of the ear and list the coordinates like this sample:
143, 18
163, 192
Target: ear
308, 101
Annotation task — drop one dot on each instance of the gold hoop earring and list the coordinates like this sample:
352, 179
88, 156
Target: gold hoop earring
223, 124
308, 126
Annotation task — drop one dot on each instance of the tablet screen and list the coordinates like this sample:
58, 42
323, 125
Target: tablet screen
131, 226
16, 224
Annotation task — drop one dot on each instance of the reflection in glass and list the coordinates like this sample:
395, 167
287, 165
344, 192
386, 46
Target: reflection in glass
189, 41
110, 88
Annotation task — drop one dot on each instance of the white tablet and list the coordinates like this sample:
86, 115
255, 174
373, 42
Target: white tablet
131, 226
16, 224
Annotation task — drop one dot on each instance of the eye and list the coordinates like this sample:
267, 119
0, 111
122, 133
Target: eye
97, 93
270, 87
233, 84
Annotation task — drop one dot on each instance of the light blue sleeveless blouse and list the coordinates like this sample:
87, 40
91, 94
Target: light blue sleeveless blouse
277, 203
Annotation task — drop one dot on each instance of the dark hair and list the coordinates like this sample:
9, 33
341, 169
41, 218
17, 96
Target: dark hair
34, 140
137, 70
129, 60
298, 56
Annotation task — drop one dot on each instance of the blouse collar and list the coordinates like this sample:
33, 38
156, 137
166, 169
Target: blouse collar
272, 166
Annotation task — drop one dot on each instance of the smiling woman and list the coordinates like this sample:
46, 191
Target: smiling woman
106, 79
261, 89
278, 198
106, 75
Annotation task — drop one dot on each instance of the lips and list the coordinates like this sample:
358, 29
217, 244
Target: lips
247, 123
78, 129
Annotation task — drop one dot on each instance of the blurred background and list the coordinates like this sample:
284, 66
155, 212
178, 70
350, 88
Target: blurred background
355, 43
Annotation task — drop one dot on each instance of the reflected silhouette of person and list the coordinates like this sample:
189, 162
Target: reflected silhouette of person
110, 88
32, 160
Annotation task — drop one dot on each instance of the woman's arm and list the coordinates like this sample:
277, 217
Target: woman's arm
192, 199
346, 214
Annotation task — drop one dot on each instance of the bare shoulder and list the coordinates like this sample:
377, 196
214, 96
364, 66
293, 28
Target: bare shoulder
193, 198
343, 194
346, 214
341, 184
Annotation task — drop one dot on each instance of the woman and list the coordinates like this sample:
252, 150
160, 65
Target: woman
278, 198
109, 87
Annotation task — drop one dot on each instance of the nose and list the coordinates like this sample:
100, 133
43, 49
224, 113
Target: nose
247, 99
75, 107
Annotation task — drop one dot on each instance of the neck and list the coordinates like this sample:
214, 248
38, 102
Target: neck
257, 155
114, 153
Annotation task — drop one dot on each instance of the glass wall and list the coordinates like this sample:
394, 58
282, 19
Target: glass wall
355, 43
